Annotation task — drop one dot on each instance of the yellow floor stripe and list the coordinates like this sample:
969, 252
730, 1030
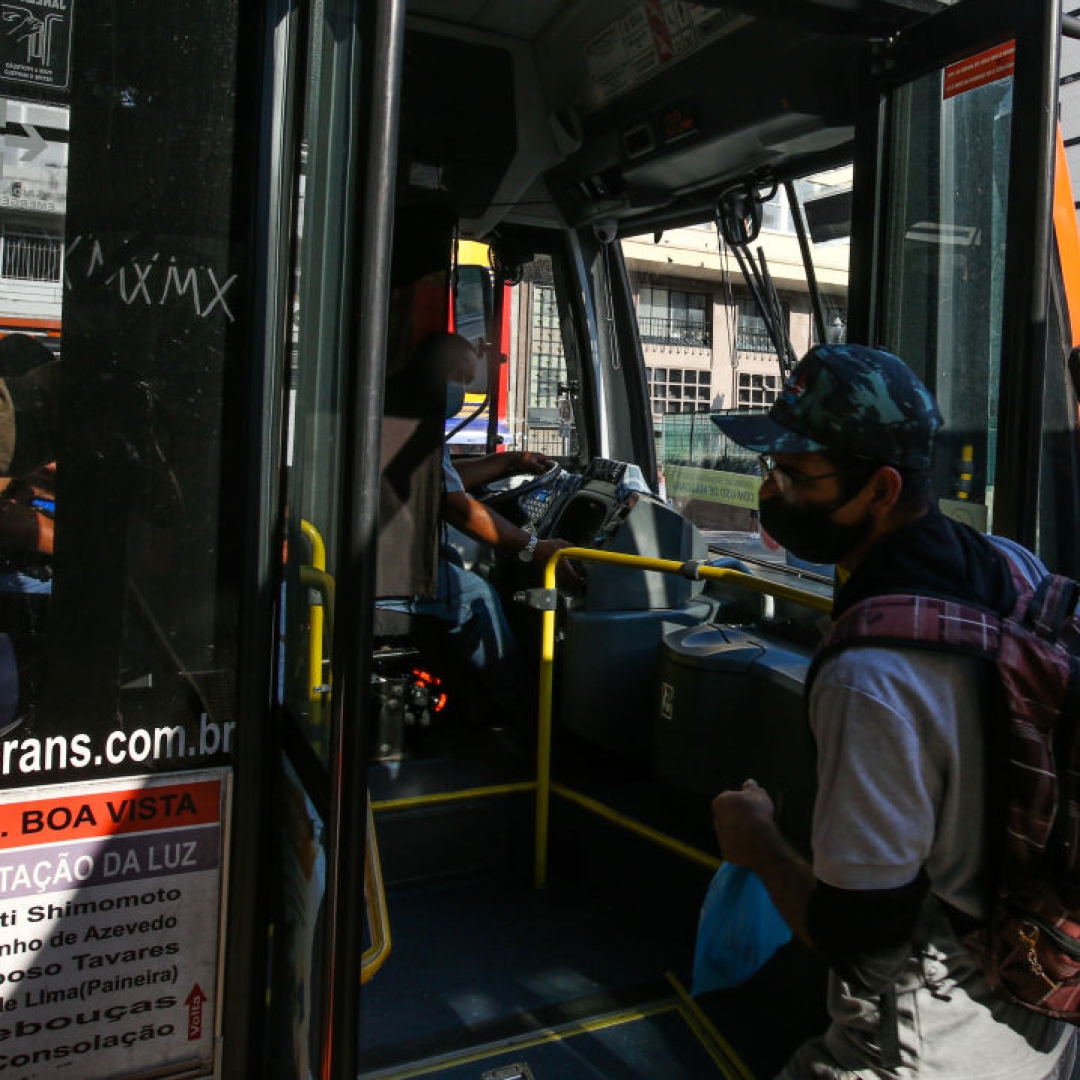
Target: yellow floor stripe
724, 1056
524, 1042
408, 802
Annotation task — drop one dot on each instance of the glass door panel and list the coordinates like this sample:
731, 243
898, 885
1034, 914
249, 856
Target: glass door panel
954, 263
319, 323
320, 915
131, 430
948, 164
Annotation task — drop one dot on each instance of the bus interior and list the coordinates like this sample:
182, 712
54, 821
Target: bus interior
640, 213
540, 886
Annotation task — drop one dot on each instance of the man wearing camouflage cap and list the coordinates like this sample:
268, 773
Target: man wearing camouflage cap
900, 838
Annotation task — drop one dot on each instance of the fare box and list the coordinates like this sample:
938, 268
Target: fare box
110, 925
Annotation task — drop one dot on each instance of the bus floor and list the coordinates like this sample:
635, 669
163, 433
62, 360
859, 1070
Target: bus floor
491, 978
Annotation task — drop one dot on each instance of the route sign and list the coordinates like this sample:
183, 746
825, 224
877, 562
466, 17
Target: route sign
110, 902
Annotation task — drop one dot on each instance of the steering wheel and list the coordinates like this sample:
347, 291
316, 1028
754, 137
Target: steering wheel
504, 491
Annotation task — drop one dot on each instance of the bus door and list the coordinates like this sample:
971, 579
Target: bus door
330, 933
195, 476
955, 259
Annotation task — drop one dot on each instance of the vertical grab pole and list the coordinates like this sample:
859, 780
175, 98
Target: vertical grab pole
543, 727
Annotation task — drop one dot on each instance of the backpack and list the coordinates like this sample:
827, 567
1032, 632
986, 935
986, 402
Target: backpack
1029, 951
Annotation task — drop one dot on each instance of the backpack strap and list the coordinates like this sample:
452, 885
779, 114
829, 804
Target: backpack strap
1052, 606
909, 620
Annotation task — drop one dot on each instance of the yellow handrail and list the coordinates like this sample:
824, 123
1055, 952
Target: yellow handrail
594, 806
694, 570
323, 583
314, 576
315, 637
374, 956
318, 676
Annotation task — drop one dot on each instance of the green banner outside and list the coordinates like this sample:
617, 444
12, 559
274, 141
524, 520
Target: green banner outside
711, 485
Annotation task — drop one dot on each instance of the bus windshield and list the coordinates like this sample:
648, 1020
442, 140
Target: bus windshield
718, 326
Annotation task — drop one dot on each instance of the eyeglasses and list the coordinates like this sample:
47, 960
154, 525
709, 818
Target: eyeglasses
785, 474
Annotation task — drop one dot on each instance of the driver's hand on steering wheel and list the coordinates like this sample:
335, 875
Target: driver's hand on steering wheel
569, 576
528, 461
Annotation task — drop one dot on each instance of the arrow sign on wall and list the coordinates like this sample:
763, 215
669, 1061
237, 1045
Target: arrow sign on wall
30, 142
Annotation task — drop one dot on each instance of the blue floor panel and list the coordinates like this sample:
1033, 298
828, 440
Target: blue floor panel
570, 981
651, 1048
471, 954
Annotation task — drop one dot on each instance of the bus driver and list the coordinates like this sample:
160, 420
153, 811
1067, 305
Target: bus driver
464, 601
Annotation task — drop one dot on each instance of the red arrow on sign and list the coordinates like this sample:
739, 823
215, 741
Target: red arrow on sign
194, 1002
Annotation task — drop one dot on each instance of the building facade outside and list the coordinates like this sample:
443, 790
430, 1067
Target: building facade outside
33, 201
705, 343
1069, 98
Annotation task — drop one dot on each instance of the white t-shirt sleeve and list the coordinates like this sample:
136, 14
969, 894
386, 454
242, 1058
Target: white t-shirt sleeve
874, 813
901, 774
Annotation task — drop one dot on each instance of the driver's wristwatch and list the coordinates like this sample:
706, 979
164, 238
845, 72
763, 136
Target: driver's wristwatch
526, 553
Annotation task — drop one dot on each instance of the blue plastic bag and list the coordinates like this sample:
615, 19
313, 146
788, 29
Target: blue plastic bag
738, 931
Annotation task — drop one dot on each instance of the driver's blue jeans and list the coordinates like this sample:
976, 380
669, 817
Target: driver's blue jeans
479, 633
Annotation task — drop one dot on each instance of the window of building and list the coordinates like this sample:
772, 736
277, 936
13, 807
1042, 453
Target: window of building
674, 317
752, 336
29, 254
547, 365
836, 325
756, 390
775, 215
776, 212
547, 422
679, 390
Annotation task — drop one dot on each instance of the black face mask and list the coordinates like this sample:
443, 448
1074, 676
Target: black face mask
807, 532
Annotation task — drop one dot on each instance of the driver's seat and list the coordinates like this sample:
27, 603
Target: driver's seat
407, 552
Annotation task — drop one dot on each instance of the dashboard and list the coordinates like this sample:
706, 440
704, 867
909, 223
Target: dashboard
609, 506
584, 509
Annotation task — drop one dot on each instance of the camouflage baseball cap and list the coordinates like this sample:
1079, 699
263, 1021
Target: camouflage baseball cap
850, 399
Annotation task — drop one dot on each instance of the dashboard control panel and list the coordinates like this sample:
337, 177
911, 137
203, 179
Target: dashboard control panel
540, 507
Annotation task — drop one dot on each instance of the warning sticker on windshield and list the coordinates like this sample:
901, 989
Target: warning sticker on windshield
975, 71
